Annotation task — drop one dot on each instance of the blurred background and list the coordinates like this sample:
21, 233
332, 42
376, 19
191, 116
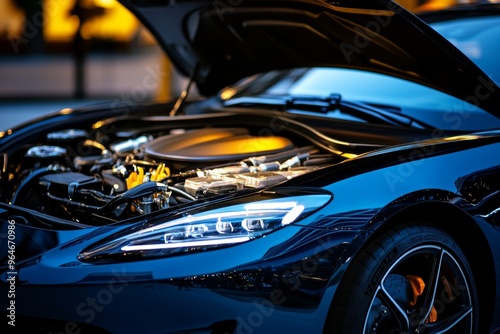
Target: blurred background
67, 53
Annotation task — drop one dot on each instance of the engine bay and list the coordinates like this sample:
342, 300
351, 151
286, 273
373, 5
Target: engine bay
90, 179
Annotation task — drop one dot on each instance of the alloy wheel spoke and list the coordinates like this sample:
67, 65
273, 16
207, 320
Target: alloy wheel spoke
448, 325
398, 313
425, 307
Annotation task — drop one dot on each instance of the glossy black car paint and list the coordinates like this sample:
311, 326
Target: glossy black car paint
283, 282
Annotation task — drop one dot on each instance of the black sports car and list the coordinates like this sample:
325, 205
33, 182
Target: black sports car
342, 175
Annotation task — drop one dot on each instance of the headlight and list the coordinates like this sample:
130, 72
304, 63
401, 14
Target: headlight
209, 229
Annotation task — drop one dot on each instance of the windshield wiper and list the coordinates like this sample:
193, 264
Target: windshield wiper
361, 110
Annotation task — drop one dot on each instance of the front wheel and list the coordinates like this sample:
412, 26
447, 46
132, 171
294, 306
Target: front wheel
411, 279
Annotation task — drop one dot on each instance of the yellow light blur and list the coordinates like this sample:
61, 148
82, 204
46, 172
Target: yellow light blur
97, 125
437, 4
66, 111
105, 3
59, 24
116, 24
349, 155
227, 93
462, 137
11, 19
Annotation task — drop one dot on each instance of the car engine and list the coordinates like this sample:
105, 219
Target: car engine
75, 176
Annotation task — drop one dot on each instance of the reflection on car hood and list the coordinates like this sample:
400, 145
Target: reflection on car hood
218, 42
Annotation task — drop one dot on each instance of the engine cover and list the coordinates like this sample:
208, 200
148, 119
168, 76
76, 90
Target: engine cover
214, 145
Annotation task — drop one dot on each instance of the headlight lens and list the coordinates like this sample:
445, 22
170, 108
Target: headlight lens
209, 229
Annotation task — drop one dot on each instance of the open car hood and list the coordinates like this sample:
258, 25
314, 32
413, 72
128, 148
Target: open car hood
218, 42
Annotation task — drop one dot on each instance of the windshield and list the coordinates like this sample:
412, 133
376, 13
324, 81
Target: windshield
396, 95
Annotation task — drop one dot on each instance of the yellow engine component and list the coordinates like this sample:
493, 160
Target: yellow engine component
160, 173
139, 176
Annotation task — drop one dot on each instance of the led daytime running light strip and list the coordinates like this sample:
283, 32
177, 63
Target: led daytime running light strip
185, 244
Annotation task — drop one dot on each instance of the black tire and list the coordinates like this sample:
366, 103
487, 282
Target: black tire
375, 294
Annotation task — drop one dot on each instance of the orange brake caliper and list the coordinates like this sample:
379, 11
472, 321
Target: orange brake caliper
418, 286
